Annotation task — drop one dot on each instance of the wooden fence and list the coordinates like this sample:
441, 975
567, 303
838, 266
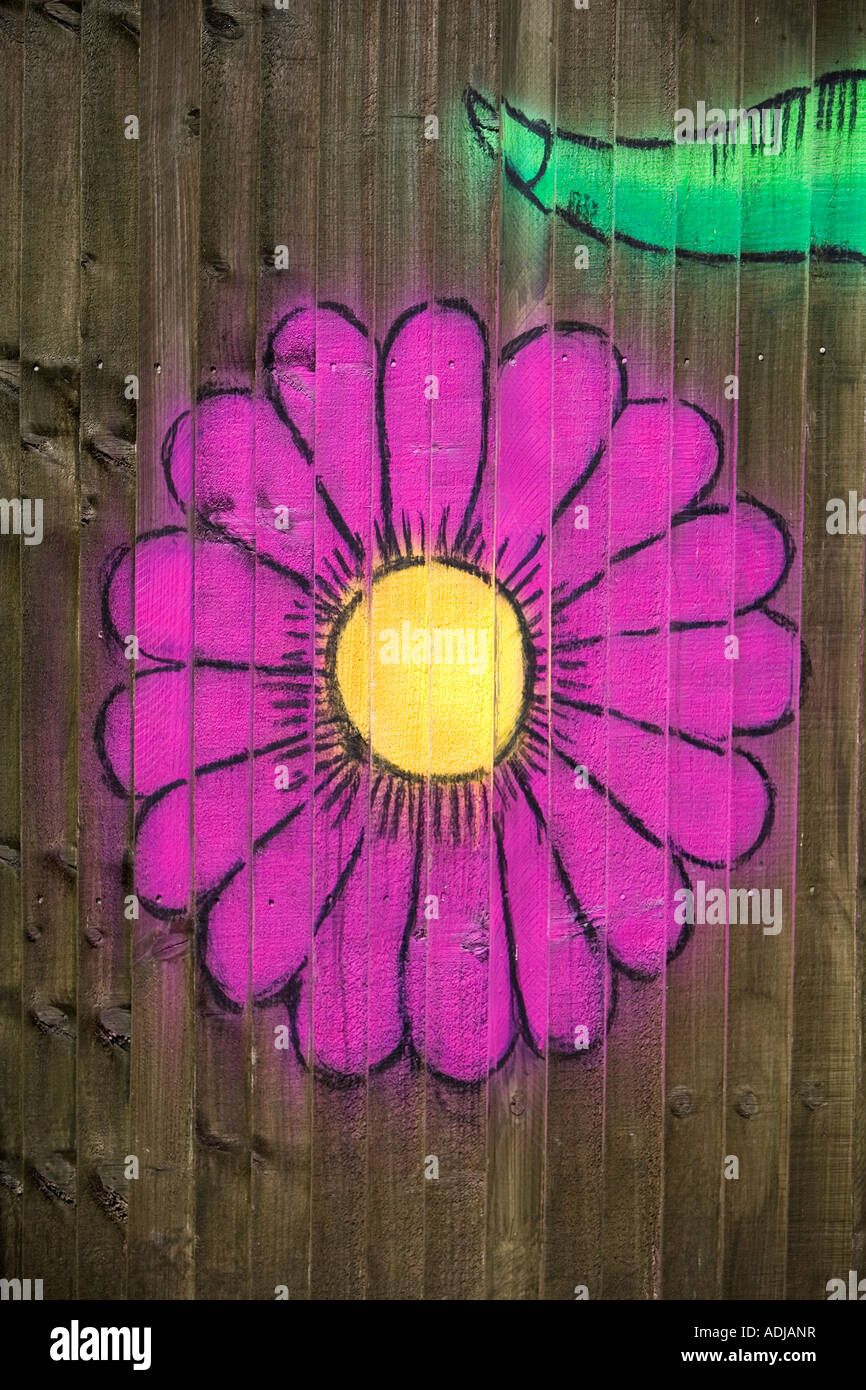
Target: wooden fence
422, 1099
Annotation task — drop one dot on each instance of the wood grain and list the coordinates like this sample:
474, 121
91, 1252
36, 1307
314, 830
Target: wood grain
50, 248
705, 355
281, 1093
338, 1191
517, 1092
466, 230
153, 260
227, 302
12, 1026
405, 228
770, 435
643, 302
162, 1199
107, 437
574, 1157
823, 1172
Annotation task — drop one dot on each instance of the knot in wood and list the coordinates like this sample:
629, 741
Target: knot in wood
681, 1102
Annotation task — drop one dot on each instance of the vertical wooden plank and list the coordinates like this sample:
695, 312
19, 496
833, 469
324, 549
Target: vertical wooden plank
365, 1196
858, 1232
228, 273
824, 1093
459, 846
517, 1092
282, 1091
381, 1184
769, 466
341, 969
405, 227
11, 940
109, 352
49, 597
705, 352
573, 1207
162, 1200
642, 332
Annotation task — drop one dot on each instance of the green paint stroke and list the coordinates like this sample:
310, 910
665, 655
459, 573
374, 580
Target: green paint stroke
719, 200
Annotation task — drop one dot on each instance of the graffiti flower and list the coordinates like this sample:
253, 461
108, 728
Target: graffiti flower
449, 664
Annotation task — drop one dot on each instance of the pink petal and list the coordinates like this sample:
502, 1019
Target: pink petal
434, 386
259, 934
238, 601
624, 884
558, 394
321, 365
704, 555
233, 805
252, 483
662, 458
457, 975
710, 693
163, 596
719, 805
228, 588
706, 692
364, 895
231, 709
560, 958
697, 821
259, 926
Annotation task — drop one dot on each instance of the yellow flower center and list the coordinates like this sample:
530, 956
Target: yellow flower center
432, 669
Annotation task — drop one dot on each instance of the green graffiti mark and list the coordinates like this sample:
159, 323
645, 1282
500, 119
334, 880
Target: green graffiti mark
773, 185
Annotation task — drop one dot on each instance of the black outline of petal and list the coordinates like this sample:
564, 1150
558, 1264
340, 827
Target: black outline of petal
295, 744
633, 819
269, 360
101, 723
205, 523
585, 925
115, 560
686, 517
573, 328
208, 900
386, 496
738, 730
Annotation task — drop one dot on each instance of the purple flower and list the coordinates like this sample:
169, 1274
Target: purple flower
446, 835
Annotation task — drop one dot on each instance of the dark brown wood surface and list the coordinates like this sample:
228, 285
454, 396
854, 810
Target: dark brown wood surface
153, 260
107, 486
162, 1199
49, 606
